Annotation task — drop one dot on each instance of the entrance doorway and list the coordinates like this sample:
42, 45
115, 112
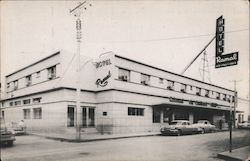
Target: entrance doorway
88, 116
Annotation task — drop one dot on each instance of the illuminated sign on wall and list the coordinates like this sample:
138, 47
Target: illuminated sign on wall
223, 60
103, 82
103, 63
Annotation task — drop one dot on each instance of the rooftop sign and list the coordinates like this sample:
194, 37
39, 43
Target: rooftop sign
223, 60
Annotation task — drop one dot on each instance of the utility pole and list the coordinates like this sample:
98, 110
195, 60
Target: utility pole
77, 13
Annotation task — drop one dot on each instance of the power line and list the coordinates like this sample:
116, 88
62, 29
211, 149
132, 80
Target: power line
174, 38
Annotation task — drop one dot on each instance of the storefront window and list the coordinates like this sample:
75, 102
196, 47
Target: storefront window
26, 113
37, 113
123, 74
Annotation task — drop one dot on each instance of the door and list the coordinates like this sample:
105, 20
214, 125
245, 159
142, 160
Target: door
88, 116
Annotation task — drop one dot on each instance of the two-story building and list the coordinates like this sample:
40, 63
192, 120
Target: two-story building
118, 95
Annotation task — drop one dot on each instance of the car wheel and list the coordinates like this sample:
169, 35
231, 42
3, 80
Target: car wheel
179, 133
202, 131
10, 143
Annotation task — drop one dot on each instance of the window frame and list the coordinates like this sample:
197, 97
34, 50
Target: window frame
37, 113
123, 77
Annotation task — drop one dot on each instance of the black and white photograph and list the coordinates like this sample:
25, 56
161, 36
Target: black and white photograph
124, 80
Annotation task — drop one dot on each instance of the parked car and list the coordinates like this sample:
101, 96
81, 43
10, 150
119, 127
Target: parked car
180, 127
244, 124
205, 126
17, 128
7, 137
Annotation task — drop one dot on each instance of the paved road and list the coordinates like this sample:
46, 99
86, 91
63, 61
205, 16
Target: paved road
168, 148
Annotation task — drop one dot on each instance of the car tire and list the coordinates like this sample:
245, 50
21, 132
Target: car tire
179, 133
202, 131
10, 143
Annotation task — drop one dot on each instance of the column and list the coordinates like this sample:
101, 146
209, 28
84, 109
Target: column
161, 116
173, 118
87, 117
191, 117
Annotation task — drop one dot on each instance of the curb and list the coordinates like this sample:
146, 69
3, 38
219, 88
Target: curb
91, 140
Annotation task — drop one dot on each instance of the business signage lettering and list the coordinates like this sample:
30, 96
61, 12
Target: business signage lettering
103, 63
192, 102
103, 82
172, 99
223, 60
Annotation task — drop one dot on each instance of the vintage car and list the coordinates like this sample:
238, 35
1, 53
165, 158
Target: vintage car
7, 137
16, 128
244, 124
180, 127
205, 126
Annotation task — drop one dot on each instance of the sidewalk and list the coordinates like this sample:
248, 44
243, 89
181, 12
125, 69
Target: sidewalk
240, 154
92, 137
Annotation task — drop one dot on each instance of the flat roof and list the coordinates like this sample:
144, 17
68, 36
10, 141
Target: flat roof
33, 63
118, 56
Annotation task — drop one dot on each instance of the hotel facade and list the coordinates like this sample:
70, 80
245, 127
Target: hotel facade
118, 95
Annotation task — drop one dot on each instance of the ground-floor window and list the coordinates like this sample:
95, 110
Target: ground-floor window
2, 114
71, 116
135, 111
26, 113
37, 113
88, 116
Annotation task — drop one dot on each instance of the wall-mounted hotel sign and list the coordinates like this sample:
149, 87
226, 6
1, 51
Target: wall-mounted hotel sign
223, 60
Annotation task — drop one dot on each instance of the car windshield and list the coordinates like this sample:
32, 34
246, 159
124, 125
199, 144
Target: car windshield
175, 123
201, 122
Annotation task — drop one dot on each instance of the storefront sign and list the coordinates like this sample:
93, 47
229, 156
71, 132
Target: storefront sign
103, 82
103, 63
177, 100
223, 60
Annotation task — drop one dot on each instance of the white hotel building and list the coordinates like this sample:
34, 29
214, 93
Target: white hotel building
118, 95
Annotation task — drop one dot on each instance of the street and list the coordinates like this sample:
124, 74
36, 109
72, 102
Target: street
201, 147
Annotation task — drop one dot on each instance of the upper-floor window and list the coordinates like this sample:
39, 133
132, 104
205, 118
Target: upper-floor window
52, 72
38, 74
183, 88
170, 85
198, 91
145, 79
229, 98
15, 84
17, 103
123, 74
206, 93
8, 85
224, 97
26, 101
161, 80
218, 95
37, 100
28, 80
11, 103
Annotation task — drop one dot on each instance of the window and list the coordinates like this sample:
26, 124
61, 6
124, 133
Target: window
206, 93
170, 85
71, 116
161, 80
17, 103
233, 99
37, 113
26, 113
11, 103
28, 80
3, 114
15, 84
145, 79
198, 91
183, 88
135, 111
37, 100
218, 95
229, 98
123, 74
224, 97
26, 101
52, 72
38, 74
104, 114
8, 85
156, 115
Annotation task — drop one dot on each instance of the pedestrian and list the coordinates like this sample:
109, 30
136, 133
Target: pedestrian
22, 125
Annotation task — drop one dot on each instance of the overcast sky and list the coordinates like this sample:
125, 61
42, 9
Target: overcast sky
166, 34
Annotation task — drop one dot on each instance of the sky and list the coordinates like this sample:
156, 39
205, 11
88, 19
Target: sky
167, 34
